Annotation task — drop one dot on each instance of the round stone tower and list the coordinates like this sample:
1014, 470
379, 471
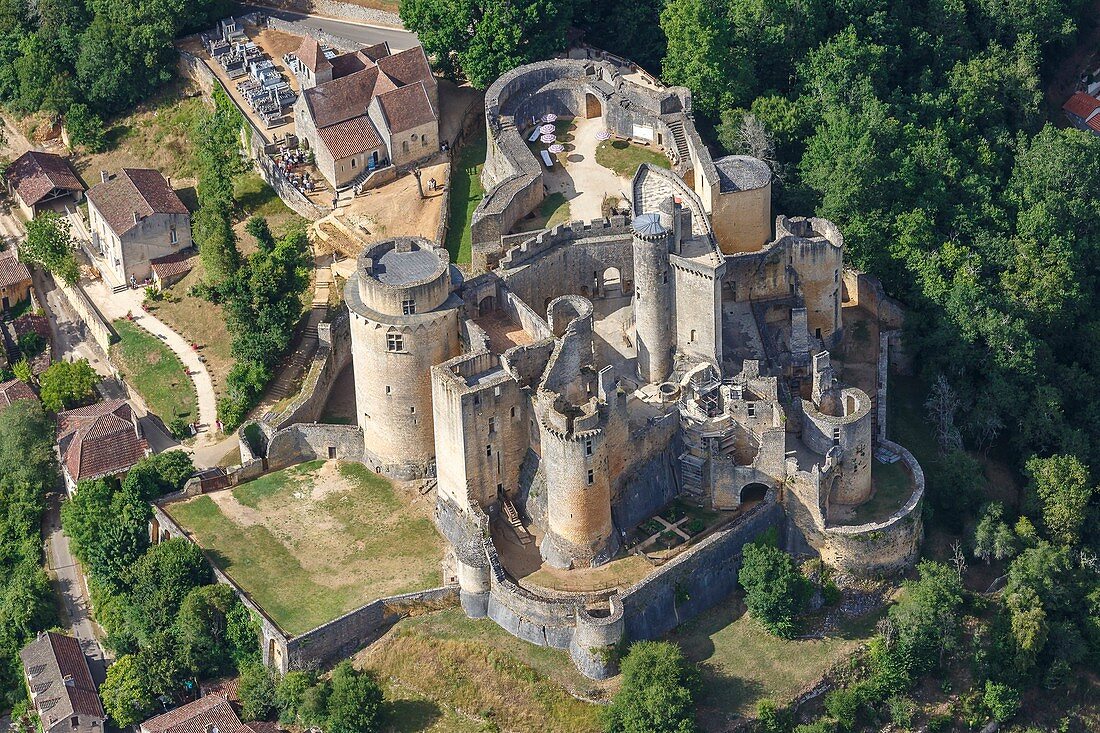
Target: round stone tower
652, 297
742, 210
404, 320
579, 531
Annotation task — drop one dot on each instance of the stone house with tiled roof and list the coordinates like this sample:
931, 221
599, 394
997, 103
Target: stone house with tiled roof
209, 713
136, 217
60, 685
99, 440
365, 110
15, 280
38, 180
15, 390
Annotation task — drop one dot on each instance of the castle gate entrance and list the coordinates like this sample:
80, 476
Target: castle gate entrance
592, 106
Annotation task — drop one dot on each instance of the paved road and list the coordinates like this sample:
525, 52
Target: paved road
70, 584
366, 34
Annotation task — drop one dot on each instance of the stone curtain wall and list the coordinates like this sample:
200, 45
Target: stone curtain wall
698, 579
880, 548
315, 441
336, 42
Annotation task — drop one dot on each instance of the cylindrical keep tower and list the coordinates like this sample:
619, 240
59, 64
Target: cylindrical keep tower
742, 211
579, 531
652, 297
403, 322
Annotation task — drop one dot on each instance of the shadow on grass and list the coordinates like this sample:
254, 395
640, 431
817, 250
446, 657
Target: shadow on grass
406, 716
190, 198
114, 136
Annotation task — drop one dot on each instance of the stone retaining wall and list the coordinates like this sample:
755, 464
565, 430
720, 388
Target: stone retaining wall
79, 302
340, 10
333, 354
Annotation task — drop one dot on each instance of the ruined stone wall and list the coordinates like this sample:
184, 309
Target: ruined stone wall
852, 432
309, 442
698, 311
742, 219
643, 470
578, 266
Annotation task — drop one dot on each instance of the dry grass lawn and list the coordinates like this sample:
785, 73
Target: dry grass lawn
312, 542
446, 672
742, 663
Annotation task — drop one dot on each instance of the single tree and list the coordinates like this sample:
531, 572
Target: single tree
1061, 487
50, 244
127, 696
256, 689
66, 384
657, 694
355, 702
775, 591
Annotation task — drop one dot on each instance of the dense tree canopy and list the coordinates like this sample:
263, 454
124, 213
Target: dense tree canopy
481, 39
775, 591
27, 471
49, 244
67, 384
657, 694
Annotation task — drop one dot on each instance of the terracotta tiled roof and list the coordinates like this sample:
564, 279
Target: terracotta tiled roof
173, 265
344, 98
312, 56
376, 51
139, 191
407, 107
34, 174
58, 675
407, 67
1094, 123
12, 271
196, 717
32, 323
350, 63
13, 391
1081, 105
99, 440
350, 137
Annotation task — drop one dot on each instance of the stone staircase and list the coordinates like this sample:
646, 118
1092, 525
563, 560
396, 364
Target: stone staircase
679, 139
510, 513
691, 473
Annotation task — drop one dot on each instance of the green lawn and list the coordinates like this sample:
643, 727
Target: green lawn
254, 197
155, 372
442, 662
624, 157
314, 541
893, 487
466, 194
741, 663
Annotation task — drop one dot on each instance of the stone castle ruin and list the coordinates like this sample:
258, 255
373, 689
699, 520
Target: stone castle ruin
590, 376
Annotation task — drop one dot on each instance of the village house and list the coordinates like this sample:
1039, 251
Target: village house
40, 181
99, 440
15, 390
209, 713
15, 281
365, 110
135, 218
60, 685
1083, 110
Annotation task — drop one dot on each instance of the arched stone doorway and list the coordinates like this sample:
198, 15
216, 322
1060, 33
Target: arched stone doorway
592, 106
486, 306
753, 493
612, 282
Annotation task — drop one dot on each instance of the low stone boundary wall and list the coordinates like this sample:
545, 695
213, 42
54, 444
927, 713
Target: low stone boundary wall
323, 37
343, 636
340, 10
79, 302
314, 441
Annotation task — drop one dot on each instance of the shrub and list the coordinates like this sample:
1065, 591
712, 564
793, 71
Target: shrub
902, 710
31, 344
355, 703
67, 384
1001, 701
770, 718
179, 428
85, 128
657, 694
256, 690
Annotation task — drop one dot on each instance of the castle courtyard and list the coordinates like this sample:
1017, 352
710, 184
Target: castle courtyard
312, 542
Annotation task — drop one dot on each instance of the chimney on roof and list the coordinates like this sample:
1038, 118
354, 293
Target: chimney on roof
69, 680
104, 176
137, 217
168, 180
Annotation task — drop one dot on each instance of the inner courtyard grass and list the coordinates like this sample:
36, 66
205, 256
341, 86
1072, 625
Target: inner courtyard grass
457, 674
466, 194
155, 372
742, 664
314, 541
893, 487
624, 157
